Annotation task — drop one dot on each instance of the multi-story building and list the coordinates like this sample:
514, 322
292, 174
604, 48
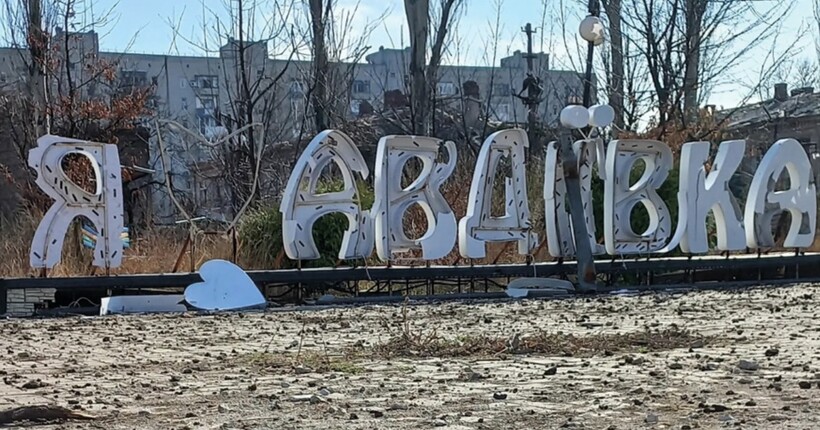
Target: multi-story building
203, 92
793, 115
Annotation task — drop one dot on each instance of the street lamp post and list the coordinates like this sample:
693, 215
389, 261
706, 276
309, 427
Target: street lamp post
592, 31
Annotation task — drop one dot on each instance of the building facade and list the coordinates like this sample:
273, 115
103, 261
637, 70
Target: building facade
203, 92
789, 114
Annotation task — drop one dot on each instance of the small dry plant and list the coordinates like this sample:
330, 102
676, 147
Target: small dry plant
410, 342
304, 361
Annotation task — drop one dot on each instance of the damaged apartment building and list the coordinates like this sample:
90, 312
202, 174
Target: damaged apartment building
788, 114
200, 92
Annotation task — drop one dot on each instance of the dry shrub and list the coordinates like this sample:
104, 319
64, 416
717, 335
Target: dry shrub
15, 243
431, 344
410, 342
152, 251
675, 133
312, 361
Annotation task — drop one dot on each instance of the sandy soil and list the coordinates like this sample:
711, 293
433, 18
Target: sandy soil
327, 369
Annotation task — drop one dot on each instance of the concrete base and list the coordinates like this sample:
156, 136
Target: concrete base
22, 303
523, 287
142, 304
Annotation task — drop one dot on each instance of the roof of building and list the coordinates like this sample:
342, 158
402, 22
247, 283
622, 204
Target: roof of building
795, 106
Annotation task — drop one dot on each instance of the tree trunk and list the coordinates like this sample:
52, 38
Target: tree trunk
435, 62
71, 102
320, 64
694, 11
247, 107
417, 12
817, 35
616, 86
37, 43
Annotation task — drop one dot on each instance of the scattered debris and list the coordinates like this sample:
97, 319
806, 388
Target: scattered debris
748, 365
41, 413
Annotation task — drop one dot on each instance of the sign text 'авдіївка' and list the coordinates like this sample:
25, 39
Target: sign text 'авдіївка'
381, 227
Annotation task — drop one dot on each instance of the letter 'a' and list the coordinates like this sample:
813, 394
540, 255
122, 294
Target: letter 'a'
103, 207
302, 205
479, 226
765, 201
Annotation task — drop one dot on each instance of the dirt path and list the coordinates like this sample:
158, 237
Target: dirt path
742, 360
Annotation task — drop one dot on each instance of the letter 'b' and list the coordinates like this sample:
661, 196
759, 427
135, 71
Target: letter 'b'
393, 200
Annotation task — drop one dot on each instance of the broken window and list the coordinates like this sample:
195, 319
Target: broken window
360, 86
446, 88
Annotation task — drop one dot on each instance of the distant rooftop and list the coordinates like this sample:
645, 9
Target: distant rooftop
392, 55
802, 102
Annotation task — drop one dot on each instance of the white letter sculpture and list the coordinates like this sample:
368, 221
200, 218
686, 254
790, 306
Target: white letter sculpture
301, 206
560, 239
103, 207
479, 226
700, 192
620, 197
764, 201
393, 200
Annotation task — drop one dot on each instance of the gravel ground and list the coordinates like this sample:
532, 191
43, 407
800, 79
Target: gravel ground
741, 359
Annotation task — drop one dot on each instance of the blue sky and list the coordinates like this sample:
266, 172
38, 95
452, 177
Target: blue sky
150, 21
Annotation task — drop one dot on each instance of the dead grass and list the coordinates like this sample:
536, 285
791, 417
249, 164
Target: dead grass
409, 342
432, 344
412, 342
152, 251
304, 362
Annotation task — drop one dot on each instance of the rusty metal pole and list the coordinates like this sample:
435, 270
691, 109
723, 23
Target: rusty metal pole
533, 87
586, 263
583, 249
532, 84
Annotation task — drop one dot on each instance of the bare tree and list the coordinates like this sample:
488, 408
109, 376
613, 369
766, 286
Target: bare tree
694, 15
615, 73
338, 45
807, 74
490, 57
637, 93
797, 73
245, 34
69, 88
686, 50
423, 75
817, 35
28, 26
418, 23
319, 15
